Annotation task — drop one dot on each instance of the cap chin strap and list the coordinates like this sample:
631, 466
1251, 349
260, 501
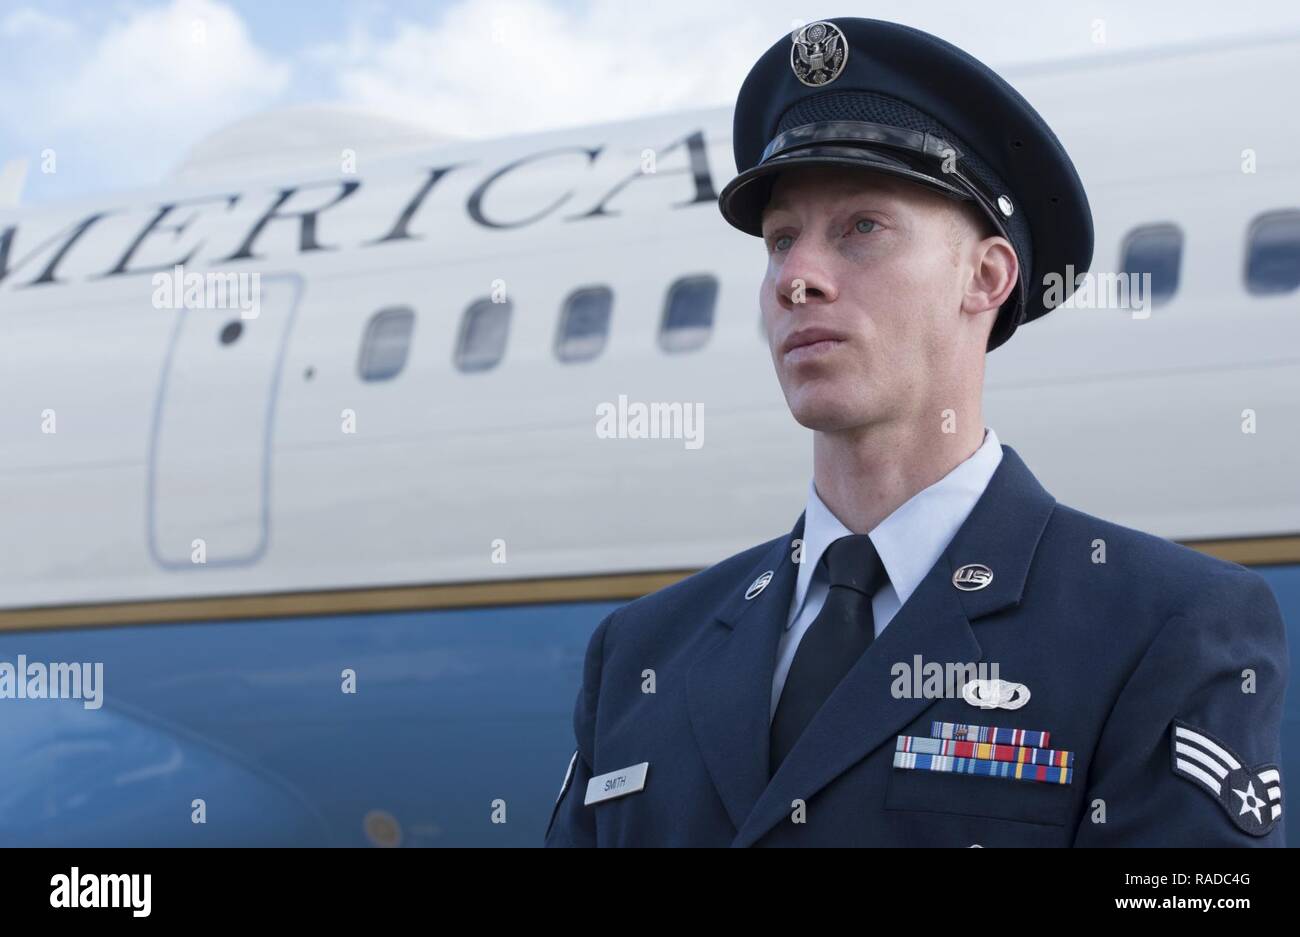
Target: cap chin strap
859, 131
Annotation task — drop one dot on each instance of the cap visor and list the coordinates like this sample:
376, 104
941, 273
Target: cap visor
743, 199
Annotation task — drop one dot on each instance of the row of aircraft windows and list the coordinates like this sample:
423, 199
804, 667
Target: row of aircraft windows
584, 326
1272, 256
1272, 267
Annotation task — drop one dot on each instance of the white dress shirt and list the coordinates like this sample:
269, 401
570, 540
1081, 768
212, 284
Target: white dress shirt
909, 542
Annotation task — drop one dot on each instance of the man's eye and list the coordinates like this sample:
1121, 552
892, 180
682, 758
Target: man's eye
782, 243
870, 226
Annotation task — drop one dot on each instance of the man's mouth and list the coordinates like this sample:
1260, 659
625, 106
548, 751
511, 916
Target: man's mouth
809, 352
809, 344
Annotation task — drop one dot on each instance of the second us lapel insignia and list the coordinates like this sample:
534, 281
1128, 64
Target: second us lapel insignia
758, 585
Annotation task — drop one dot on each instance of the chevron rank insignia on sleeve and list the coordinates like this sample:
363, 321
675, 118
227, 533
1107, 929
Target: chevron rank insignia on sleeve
1252, 797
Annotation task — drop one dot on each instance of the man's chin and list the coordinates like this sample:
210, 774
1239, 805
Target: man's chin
823, 415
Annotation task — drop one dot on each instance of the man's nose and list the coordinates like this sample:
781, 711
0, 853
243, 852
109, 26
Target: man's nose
805, 276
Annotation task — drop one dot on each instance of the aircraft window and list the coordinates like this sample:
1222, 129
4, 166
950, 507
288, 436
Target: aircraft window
688, 313
1273, 259
1158, 250
584, 324
386, 343
483, 335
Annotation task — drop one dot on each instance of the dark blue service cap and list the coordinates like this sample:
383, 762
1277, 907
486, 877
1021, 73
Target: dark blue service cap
892, 99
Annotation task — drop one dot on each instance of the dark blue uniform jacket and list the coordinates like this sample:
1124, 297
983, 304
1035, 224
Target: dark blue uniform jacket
1159, 669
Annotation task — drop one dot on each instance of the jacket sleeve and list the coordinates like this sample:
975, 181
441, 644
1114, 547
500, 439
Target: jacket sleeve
1190, 753
572, 823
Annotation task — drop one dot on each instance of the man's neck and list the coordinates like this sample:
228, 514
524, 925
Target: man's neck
865, 475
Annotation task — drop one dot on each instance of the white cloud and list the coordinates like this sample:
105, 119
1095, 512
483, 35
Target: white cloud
497, 67
29, 23
187, 64
493, 67
136, 91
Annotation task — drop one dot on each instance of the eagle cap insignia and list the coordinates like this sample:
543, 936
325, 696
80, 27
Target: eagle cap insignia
818, 52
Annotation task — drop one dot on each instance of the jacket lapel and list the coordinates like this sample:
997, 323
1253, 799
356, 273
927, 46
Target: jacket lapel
729, 690
1002, 532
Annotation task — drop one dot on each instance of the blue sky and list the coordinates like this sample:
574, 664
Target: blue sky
119, 91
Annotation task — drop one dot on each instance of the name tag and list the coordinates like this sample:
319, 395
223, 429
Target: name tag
616, 783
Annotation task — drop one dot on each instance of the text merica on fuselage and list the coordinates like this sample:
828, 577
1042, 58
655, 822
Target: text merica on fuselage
284, 207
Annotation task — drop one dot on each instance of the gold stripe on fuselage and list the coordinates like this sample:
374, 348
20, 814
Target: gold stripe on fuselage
1257, 551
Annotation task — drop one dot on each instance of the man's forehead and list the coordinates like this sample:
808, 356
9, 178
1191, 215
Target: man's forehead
800, 183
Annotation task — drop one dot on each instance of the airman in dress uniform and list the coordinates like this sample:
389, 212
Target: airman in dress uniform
936, 653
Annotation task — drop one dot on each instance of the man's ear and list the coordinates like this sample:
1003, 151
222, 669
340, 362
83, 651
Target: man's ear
994, 269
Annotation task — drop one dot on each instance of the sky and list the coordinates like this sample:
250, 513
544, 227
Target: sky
120, 90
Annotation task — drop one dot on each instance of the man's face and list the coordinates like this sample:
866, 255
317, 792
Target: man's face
863, 299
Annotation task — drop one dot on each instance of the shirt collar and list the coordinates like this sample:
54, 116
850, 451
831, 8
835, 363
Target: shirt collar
912, 538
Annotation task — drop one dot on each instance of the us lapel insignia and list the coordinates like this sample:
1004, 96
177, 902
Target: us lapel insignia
972, 577
758, 585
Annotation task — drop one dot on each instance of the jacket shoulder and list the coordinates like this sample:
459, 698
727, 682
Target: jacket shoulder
1186, 577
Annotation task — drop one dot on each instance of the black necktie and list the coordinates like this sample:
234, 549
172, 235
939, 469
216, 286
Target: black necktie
842, 630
